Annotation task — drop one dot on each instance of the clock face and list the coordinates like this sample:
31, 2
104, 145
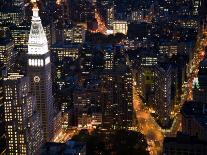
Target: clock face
36, 79
35, 28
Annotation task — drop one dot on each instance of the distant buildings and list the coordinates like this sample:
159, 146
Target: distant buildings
110, 15
175, 48
117, 106
87, 106
63, 51
103, 99
6, 51
109, 59
20, 36
72, 33
120, 27
91, 77
11, 15
78, 34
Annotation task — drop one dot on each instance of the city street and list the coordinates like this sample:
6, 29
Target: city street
148, 126
101, 25
146, 123
65, 135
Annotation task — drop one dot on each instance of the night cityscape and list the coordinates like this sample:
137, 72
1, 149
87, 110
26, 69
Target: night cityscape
103, 77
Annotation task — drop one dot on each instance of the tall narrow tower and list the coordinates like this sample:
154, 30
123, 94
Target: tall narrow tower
39, 71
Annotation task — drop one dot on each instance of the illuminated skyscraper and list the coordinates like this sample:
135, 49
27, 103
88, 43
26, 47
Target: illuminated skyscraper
20, 35
39, 71
2, 124
120, 27
22, 122
117, 107
163, 96
6, 51
110, 15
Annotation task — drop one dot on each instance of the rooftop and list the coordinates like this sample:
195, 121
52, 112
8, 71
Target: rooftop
69, 148
192, 108
183, 139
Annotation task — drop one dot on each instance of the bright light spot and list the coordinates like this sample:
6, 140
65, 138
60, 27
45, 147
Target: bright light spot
108, 32
58, 2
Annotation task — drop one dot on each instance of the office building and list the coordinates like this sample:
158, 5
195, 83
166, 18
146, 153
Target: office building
146, 62
117, 106
39, 72
6, 51
110, 15
22, 122
120, 27
184, 144
87, 104
65, 51
162, 100
11, 15
2, 123
200, 83
20, 36
78, 34
194, 115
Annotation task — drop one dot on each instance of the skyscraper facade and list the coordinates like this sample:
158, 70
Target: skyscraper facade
200, 83
22, 122
39, 71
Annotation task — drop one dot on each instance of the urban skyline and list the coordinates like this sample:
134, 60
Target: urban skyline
107, 77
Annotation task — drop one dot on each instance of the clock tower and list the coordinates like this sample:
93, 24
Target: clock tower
39, 71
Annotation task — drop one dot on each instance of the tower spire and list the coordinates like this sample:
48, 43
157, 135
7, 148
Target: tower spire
37, 43
35, 9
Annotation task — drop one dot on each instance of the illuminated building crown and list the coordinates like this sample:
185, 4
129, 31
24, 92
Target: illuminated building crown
37, 39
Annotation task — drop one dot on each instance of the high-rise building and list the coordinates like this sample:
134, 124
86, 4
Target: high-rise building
73, 34
183, 144
6, 51
109, 59
163, 103
194, 116
87, 106
200, 83
145, 74
117, 107
2, 123
78, 34
22, 122
63, 51
120, 27
39, 71
137, 15
20, 36
11, 15
110, 15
